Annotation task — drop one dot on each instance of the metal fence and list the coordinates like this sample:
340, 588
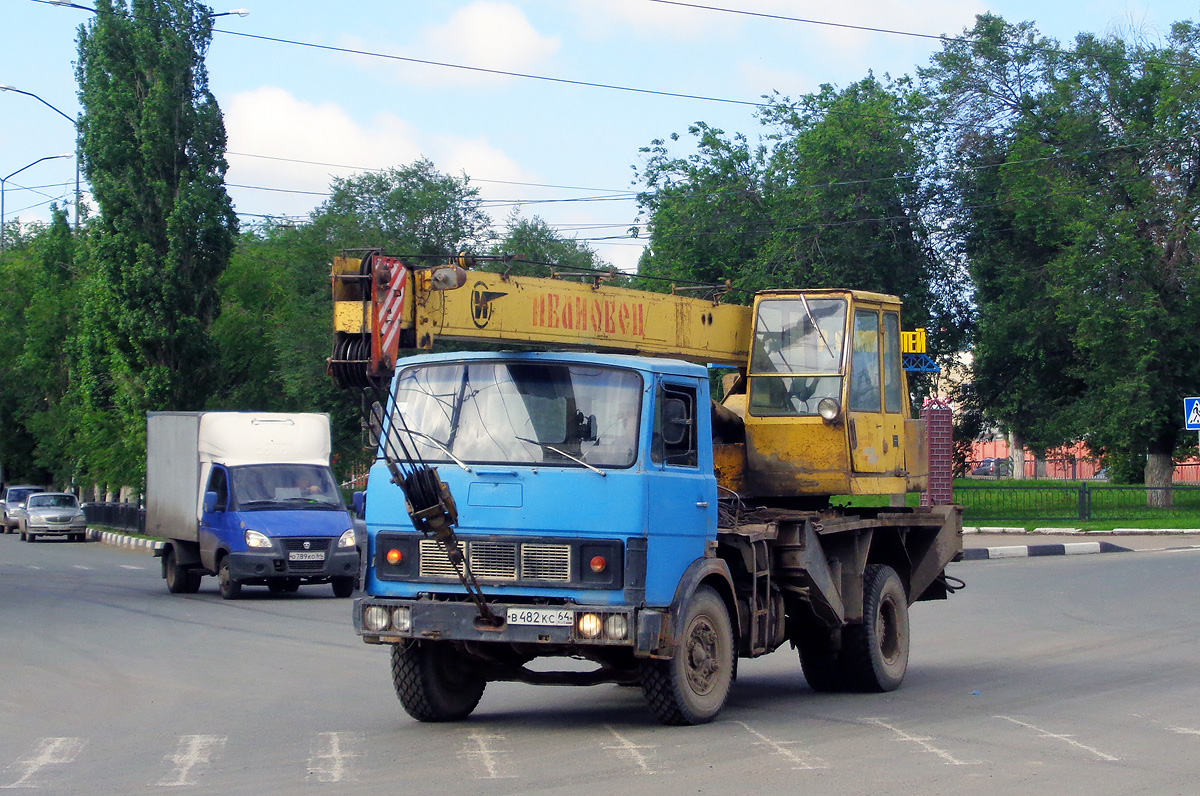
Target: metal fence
122, 516
1084, 501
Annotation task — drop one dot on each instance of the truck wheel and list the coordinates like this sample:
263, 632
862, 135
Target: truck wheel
230, 588
875, 653
819, 659
691, 687
435, 681
343, 586
180, 580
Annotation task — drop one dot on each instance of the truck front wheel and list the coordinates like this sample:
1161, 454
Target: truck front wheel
875, 653
691, 687
343, 586
435, 681
230, 588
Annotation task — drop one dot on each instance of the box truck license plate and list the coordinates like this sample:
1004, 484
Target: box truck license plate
557, 617
300, 555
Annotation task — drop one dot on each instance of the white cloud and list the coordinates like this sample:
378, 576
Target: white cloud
484, 34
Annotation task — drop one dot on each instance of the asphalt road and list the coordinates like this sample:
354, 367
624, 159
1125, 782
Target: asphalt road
1076, 674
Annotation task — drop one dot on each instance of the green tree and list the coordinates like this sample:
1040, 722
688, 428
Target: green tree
533, 247
153, 145
1079, 216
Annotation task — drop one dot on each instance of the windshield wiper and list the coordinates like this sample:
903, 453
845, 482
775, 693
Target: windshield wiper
565, 455
816, 326
441, 445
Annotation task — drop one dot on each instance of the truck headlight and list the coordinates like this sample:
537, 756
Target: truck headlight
347, 538
375, 618
256, 539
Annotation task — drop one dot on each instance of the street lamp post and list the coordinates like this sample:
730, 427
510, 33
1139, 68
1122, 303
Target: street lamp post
4, 182
74, 124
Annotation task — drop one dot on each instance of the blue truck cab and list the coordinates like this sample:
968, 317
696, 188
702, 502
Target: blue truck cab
587, 512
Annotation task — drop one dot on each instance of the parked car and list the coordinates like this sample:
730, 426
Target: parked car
51, 514
14, 496
990, 466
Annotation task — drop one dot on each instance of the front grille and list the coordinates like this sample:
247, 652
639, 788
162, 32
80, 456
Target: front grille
305, 543
501, 560
305, 566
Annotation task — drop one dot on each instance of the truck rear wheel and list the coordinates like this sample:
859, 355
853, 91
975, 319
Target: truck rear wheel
691, 687
875, 653
180, 580
230, 588
819, 659
435, 681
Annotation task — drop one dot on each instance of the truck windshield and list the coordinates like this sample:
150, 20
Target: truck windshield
261, 486
797, 357
520, 413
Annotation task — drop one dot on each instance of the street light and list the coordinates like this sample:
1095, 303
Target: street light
4, 181
74, 124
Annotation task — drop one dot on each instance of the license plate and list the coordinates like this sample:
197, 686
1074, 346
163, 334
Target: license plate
300, 555
556, 617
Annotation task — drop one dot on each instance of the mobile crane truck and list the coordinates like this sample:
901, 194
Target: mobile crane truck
600, 506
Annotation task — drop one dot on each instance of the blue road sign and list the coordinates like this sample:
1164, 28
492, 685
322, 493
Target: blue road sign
1191, 414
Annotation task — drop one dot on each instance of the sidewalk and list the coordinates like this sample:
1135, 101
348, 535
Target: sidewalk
988, 542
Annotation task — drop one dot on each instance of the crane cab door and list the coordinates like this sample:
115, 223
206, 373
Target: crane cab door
875, 401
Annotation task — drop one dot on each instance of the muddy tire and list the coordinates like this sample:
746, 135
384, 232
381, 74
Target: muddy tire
180, 580
230, 588
875, 653
691, 687
343, 586
435, 681
820, 659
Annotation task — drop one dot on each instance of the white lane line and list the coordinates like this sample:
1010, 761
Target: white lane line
1184, 730
802, 761
78, 566
626, 749
130, 566
479, 750
193, 751
49, 752
922, 742
1060, 737
331, 761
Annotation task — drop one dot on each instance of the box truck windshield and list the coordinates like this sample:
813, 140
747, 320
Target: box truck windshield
273, 486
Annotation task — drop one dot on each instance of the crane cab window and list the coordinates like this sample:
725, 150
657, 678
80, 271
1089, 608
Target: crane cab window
891, 363
864, 363
797, 356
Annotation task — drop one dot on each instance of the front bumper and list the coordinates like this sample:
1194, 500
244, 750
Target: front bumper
460, 621
56, 530
270, 564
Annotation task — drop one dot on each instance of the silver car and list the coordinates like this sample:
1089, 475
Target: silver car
14, 496
51, 514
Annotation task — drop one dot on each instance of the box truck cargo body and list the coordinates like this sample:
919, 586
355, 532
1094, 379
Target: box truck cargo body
247, 497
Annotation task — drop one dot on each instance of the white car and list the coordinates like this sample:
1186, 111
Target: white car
51, 514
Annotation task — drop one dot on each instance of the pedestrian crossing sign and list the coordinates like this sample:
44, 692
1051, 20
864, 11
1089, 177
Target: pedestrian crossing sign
1191, 414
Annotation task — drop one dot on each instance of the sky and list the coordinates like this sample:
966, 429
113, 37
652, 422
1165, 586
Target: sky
588, 84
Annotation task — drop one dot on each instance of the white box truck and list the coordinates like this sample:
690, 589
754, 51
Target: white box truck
247, 497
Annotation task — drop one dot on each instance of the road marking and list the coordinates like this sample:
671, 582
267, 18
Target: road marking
804, 761
1184, 730
31, 566
626, 749
130, 566
1060, 737
330, 762
50, 752
923, 742
494, 761
79, 566
192, 751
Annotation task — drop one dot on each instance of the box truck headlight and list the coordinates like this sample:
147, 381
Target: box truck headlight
256, 539
376, 618
347, 538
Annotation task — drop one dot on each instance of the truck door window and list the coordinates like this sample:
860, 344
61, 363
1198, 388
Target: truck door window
891, 362
864, 363
675, 426
217, 482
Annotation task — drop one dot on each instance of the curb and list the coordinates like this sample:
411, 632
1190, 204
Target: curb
1035, 550
121, 540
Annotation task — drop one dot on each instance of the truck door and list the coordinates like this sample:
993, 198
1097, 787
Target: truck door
681, 489
875, 419
214, 525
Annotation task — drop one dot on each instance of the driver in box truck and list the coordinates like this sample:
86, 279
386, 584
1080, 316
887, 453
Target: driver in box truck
248, 497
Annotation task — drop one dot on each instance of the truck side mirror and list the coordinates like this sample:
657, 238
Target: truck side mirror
375, 424
360, 503
210, 501
675, 421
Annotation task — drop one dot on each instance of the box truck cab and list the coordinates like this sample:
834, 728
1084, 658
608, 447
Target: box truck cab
247, 497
